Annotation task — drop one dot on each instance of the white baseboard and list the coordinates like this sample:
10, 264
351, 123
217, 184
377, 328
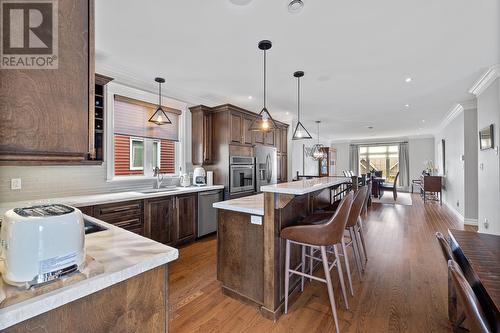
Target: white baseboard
455, 212
470, 222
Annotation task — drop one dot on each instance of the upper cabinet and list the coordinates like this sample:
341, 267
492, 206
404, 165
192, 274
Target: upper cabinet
202, 134
45, 113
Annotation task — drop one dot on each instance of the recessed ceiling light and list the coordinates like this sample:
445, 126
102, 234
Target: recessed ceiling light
287, 113
250, 97
295, 6
240, 2
407, 106
423, 120
408, 79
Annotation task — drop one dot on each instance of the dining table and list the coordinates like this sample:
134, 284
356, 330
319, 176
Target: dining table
478, 255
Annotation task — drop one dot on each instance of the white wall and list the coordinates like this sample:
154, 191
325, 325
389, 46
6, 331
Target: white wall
470, 167
453, 178
40, 182
342, 157
303, 164
488, 107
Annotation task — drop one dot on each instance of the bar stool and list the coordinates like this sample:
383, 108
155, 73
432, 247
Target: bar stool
319, 236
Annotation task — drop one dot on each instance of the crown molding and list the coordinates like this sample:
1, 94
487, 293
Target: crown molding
455, 112
485, 80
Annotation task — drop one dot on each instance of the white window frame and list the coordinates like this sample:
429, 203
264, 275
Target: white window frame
158, 152
131, 159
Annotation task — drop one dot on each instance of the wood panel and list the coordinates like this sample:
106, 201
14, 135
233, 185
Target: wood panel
269, 138
128, 215
240, 259
128, 306
247, 134
404, 288
159, 219
236, 128
44, 114
187, 217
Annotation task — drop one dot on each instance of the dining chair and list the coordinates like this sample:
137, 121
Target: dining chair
452, 296
476, 319
393, 187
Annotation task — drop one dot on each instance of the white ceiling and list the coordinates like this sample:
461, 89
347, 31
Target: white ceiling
355, 54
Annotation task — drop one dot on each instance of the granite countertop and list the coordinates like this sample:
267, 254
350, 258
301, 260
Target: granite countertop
253, 204
305, 186
122, 254
98, 199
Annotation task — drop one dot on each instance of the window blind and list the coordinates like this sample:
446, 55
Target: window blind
131, 118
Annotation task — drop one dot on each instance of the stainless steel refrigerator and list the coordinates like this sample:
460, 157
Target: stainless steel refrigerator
266, 161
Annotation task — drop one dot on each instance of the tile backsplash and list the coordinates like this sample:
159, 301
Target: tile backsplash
39, 182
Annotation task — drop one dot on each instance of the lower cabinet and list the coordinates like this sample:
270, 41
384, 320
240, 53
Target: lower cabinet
171, 220
186, 219
159, 216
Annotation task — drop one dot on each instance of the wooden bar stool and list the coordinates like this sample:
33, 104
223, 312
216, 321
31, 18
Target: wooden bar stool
319, 236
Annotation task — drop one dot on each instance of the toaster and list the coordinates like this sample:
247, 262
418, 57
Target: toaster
41, 243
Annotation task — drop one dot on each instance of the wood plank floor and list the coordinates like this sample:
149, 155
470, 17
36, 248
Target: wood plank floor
403, 289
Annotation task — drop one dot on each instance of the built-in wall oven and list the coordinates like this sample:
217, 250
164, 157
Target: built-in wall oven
241, 174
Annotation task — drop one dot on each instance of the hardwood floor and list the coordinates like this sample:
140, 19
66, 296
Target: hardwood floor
404, 288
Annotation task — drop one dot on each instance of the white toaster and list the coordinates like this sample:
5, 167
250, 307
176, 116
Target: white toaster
41, 243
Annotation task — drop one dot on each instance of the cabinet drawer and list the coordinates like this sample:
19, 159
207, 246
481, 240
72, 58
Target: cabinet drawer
127, 215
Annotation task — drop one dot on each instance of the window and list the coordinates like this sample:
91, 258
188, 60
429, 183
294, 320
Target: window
136, 154
141, 146
156, 156
384, 158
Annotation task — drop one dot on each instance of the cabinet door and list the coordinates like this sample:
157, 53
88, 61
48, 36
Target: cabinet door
258, 137
284, 168
160, 217
236, 128
187, 217
284, 140
278, 161
207, 138
247, 134
44, 116
269, 138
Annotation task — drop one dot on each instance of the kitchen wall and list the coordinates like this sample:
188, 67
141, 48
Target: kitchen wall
304, 165
342, 157
56, 181
488, 108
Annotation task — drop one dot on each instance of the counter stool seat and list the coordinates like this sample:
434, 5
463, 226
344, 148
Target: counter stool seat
319, 236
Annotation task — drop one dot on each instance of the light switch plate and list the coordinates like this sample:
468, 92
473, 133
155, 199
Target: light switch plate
255, 219
15, 184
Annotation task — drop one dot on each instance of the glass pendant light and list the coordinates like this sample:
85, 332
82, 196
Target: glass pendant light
317, 153
264, 122
159, 117
300, 132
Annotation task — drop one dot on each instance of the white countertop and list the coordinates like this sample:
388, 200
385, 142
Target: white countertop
98, 199
253, 204
122, 254
305, 186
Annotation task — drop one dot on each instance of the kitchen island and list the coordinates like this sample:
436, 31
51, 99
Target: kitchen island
130, 294
250, 252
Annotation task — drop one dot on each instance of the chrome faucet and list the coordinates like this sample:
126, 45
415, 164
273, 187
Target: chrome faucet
159, 177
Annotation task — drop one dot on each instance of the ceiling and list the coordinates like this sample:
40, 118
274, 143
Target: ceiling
356, 56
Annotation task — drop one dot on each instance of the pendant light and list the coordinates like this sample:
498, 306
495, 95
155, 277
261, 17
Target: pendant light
159, 117
317, 153
264, 122
300, 132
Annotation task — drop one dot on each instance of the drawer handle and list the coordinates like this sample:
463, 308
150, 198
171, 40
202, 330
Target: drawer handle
118, 209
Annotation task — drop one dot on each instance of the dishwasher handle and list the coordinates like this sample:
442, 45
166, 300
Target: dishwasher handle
210, 193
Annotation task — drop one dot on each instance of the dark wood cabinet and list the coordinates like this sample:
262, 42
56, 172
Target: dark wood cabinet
202, 135
97, 122
186, 207
284, 140
159, 217
258, 137
269, 138
128, 215
236, 128
45, 114
247, 134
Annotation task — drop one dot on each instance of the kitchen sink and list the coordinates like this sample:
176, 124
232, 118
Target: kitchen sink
158, 190
91, 227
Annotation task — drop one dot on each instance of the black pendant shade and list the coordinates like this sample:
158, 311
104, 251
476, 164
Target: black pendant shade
300, 132
264, 122
159, 117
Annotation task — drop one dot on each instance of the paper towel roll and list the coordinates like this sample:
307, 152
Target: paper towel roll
210, 178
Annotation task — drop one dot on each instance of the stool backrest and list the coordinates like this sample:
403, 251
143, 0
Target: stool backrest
357, 206
368, 193
445, 247
474, 313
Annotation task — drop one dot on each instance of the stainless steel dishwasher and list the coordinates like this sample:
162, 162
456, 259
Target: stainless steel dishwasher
207, 214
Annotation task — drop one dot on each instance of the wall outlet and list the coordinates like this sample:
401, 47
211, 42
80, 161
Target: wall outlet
15, 184
254, 219
486, 223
